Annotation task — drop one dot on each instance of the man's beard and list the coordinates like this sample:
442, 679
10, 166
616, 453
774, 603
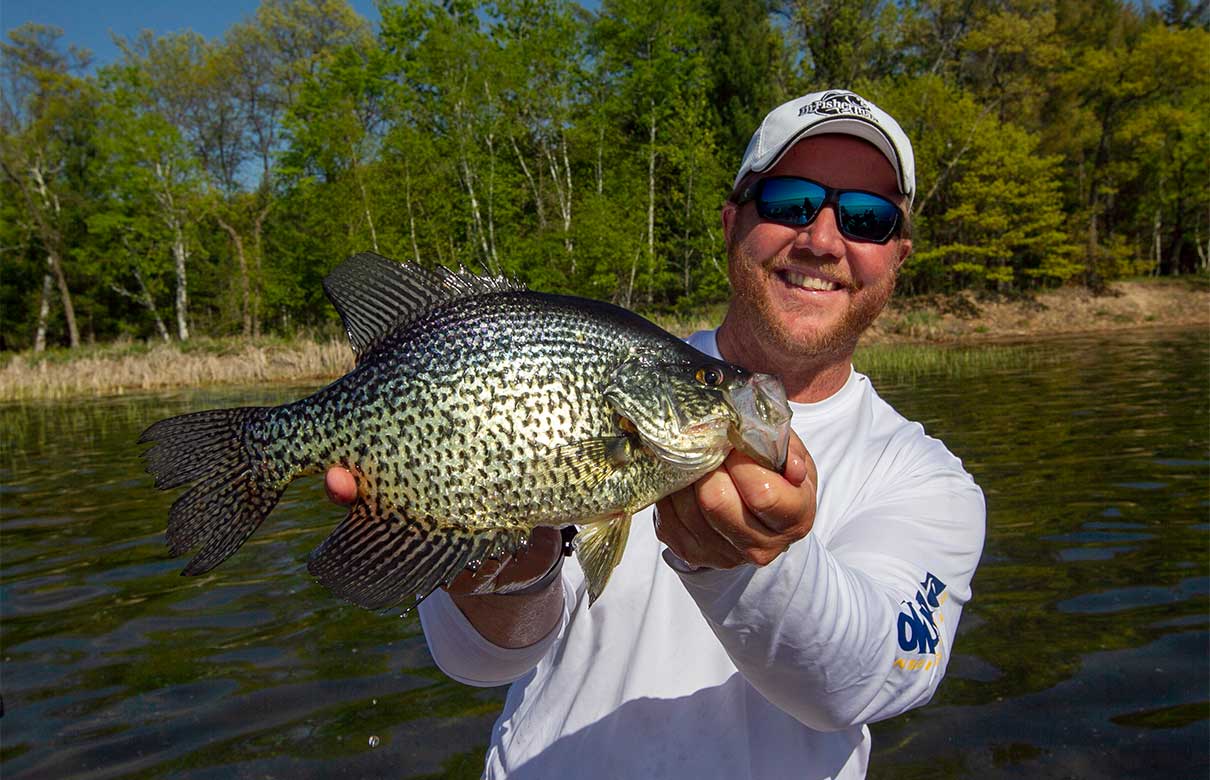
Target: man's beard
750, 291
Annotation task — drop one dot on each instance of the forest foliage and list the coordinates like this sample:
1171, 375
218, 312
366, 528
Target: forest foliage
206, 186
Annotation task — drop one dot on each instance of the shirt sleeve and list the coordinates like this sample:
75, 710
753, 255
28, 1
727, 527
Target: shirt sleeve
859, 629
462, 653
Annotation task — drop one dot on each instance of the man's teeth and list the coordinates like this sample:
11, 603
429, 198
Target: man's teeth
809, 282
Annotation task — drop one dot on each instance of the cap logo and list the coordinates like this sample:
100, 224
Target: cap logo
838, 104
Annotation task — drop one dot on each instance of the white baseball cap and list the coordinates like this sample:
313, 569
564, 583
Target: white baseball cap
833, 111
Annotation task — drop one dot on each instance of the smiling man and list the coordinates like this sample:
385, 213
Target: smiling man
759, 620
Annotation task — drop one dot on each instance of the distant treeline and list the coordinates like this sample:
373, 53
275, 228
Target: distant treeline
203, 186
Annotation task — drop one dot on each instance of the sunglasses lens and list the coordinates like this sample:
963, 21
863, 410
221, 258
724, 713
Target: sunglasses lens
867, 216
789, 201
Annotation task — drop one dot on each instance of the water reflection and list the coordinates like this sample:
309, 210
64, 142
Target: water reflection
1083, 653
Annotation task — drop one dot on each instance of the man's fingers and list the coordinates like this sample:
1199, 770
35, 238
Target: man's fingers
799, 464
780, 505
341, 485
673, 530
724, 510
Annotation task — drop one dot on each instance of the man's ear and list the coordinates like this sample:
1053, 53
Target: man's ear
728, 218
905, 249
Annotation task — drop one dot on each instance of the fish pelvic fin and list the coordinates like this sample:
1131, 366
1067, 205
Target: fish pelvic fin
378, 558
599, 546
233, 491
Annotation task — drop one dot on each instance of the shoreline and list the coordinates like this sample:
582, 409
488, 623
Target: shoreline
959, 320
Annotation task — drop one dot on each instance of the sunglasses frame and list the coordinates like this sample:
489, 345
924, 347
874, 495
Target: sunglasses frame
831, 196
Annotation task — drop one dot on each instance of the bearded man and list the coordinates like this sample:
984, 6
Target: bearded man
759, 620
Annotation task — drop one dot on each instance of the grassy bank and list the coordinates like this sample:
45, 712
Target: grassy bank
903, 340
140, 367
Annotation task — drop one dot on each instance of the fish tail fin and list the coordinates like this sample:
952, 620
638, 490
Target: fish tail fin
233, 491
599, 546
378, 558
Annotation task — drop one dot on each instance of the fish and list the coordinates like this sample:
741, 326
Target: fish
476, 411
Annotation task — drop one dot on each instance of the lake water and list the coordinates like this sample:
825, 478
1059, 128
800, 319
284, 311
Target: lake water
1084, 653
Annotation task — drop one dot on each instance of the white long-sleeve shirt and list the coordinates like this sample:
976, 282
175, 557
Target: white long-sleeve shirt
750, 672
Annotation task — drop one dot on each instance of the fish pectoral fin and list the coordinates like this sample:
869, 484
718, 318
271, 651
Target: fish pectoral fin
599, 546
588, 463
379, 558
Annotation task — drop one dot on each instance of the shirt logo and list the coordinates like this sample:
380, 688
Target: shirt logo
838, 103
918, 631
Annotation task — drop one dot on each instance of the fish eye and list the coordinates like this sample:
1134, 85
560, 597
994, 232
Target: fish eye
711, 377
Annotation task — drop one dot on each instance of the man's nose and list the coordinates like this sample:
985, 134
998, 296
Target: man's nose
822, 237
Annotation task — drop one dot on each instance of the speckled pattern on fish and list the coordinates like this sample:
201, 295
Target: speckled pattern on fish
476, 412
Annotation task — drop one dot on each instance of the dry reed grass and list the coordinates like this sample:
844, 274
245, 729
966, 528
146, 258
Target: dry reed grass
110, 372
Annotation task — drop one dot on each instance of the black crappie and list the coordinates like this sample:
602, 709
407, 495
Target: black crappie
477, 411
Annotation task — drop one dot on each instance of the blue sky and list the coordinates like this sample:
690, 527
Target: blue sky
90, 24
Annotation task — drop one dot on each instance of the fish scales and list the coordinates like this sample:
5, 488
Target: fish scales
480, 412
474, 396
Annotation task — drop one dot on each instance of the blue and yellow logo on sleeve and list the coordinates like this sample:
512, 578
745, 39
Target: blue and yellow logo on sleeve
917, 625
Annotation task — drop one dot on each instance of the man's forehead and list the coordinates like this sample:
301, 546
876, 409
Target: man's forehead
839, 161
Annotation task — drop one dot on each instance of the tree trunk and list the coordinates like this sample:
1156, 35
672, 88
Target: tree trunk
258, 253
144, 298
651, 208
407, 194
561, 179
365, 204
468, 179
533, 185
149, 302
600, 155
69, 311
685, 245
43, 313
180, 255
237, 241
1156, 244
491, 203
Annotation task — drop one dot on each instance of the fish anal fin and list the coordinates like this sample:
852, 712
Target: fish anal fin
378, 558
599, 546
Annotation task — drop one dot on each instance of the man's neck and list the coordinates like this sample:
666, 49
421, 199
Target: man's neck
807, 379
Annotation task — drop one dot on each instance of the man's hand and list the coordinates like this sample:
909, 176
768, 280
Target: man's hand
740, 513
516, 571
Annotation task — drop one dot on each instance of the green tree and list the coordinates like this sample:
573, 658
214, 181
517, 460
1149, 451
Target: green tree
45, 141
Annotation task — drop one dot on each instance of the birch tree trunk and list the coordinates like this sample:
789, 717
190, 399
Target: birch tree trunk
651, 207
43, 313
144, 298
365, 198
149, 302
407, 197
180, 255
562, 184
46, 216
69, 311
491, 203
533, 185
180, 250
258, 254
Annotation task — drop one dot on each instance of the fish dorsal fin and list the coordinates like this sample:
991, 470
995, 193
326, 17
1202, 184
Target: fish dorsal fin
374, 295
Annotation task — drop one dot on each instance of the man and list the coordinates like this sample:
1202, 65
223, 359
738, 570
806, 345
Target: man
782, 612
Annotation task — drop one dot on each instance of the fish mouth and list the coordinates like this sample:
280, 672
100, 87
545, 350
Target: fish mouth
762, 428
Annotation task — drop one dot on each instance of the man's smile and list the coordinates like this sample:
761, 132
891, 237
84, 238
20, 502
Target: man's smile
808, 281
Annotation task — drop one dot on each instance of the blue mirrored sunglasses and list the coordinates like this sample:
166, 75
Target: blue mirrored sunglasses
790, 200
